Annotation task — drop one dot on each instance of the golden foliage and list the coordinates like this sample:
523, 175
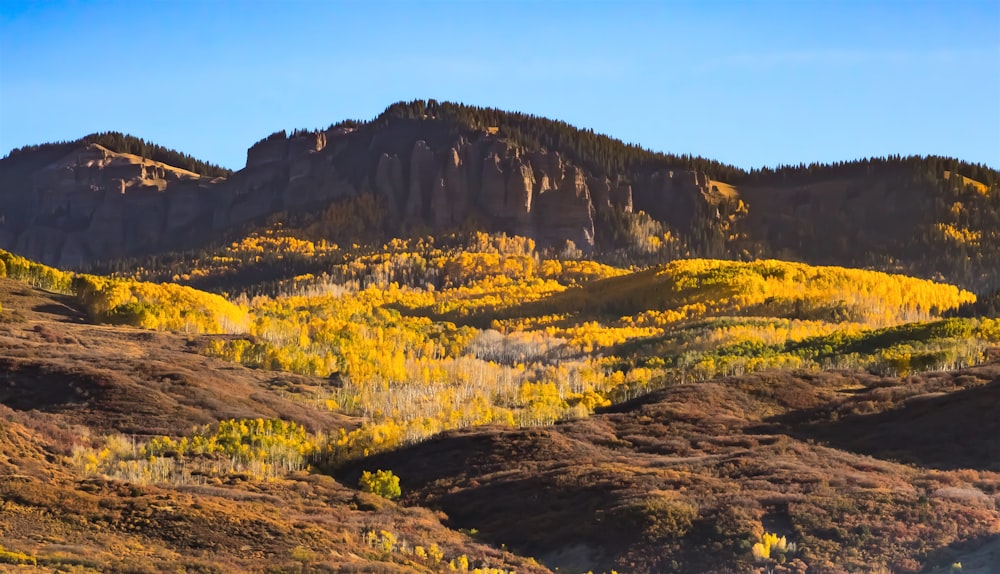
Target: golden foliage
263, 449
423, 335
958, 235
165, 306
381, 482
771, 547
14, 557
36, 274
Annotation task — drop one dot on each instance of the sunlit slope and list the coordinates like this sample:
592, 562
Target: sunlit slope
420, 337
967, 181
702, 288
415, 359
157, 306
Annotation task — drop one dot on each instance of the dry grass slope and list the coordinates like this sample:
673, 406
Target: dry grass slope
686, 479
64, 383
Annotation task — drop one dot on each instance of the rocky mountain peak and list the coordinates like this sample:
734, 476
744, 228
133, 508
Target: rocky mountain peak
91, 203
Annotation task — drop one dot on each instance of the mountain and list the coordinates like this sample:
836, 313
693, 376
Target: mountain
457, 339
695, 416
434, 167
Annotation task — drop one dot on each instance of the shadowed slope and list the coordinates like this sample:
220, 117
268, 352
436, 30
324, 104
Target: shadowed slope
937, 420
130, 380
685, 480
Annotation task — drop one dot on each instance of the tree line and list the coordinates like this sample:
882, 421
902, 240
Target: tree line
125, 143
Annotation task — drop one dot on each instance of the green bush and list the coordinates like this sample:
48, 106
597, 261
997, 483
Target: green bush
382, 482
14, 557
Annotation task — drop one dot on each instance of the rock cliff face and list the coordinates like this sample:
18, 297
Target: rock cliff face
91, 204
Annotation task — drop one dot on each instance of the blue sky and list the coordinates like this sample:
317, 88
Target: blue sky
748, 83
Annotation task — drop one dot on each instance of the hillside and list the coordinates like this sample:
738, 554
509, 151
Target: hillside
130, 145
590, 416
70, 391
688, 479
427, 167
559, 353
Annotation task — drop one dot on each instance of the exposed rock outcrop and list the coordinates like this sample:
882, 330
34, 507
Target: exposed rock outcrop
267, 151
92, 204
562, 210
389, 180
450, 204
422, 177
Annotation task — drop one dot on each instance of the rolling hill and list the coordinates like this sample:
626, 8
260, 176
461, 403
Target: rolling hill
687, 479
559, 352
67, 386
595, 418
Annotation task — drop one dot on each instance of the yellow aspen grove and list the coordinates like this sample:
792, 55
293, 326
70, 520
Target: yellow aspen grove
428, 334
